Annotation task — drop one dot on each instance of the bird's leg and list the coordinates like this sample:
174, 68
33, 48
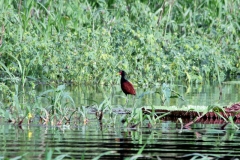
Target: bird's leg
126, 101
134, 101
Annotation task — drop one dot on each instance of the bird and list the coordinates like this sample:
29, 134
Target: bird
126, 86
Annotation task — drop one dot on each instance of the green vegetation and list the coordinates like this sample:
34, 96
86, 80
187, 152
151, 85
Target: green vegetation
71, 41
89, 41
85, 41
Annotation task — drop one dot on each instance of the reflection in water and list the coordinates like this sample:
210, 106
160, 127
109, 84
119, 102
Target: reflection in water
165, 141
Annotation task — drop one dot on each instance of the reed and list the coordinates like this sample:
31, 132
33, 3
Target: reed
86, 41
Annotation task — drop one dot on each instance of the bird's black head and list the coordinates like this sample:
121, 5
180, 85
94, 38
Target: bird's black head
122, 73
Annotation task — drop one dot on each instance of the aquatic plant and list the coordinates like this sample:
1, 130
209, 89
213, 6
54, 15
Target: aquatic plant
154, 117
216, 110
82, 110
49, 155
201, 156
53, 105
60, 107
103, 154
17, 109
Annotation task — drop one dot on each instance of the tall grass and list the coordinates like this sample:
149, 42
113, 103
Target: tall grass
88, 41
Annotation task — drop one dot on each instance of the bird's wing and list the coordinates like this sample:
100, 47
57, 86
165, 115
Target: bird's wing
128, 88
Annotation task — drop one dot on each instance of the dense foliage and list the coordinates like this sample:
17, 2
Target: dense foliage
89, 41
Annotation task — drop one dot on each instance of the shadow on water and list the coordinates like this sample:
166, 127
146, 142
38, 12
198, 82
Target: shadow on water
166, 140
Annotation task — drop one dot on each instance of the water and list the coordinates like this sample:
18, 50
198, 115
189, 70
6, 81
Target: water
199, 95
166, 140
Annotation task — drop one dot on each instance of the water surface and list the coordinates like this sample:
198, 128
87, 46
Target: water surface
166, 140
198, 94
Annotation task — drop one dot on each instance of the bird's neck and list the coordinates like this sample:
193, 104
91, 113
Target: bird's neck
123, 79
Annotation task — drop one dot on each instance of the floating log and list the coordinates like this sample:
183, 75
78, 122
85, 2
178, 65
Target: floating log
191, 111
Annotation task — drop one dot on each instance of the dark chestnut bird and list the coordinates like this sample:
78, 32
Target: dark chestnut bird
126, 86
